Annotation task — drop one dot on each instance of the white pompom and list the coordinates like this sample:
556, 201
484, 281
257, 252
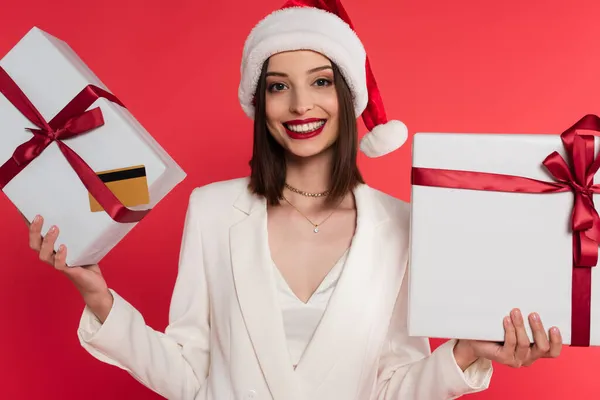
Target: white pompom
384, 139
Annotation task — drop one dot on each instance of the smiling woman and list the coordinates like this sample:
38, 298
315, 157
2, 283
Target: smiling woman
292, 284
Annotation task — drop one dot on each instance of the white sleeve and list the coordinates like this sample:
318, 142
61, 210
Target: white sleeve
175, 363
409, 371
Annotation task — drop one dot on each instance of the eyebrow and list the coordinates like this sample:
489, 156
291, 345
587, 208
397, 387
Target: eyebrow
310, 71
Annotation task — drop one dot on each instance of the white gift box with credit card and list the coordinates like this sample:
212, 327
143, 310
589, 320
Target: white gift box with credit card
131, 163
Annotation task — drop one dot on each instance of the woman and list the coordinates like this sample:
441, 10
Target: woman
292, 283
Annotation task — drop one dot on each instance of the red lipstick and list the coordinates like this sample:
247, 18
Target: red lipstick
303, 135
303, 121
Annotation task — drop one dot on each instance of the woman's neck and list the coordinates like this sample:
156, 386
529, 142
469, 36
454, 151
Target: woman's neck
309, 174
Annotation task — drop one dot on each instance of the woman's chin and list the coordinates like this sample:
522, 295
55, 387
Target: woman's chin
307, 150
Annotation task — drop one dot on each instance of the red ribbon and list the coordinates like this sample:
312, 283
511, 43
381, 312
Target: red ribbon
73, 120
577, 177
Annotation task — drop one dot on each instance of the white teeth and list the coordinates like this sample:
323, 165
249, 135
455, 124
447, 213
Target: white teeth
306, 128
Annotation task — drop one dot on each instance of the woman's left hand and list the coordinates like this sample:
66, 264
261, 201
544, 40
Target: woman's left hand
517, 351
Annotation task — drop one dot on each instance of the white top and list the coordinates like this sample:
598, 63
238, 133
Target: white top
301, 319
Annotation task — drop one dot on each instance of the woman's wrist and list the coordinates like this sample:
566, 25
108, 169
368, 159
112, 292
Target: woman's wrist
464, 354
100, 304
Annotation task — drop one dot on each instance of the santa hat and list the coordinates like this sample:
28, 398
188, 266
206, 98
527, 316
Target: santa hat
322, 26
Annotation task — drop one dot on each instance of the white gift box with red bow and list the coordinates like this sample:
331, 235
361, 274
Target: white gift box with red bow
477, 254
51, 74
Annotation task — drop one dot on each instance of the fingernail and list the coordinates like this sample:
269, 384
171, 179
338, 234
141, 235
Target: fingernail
61, 248
507, 321
37, 218
52, 229
554, 330
535, 317
516, 314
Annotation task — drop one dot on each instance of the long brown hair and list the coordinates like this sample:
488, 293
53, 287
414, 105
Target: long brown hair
268, 167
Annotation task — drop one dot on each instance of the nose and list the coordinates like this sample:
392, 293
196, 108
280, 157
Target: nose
302, 102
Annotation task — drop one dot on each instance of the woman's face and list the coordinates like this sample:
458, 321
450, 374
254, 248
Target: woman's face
301, 102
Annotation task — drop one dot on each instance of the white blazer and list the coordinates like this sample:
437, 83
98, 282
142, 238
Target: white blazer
226, 341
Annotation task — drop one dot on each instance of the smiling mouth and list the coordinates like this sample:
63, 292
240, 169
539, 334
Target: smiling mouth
305, 128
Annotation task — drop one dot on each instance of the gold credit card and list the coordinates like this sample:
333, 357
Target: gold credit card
129, 185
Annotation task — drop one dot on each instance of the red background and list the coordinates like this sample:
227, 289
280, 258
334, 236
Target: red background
471, 66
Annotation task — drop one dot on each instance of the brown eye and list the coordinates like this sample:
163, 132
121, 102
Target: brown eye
323, 82
276, 87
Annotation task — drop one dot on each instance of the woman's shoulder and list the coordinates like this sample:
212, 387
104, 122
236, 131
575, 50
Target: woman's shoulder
218, 193
392, 205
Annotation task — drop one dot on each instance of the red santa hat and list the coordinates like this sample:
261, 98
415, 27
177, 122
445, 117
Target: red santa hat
322, 26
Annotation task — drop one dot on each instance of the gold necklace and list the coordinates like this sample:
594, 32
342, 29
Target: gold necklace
315, 226
306, 194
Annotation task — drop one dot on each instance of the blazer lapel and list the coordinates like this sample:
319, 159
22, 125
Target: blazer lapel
353, 295
253, 276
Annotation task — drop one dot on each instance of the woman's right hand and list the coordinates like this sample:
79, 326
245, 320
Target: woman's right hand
87, 279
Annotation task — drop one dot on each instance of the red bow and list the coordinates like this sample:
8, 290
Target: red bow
585, 221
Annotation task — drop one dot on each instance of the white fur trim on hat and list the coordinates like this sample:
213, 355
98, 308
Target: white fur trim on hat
384, 139
304, 28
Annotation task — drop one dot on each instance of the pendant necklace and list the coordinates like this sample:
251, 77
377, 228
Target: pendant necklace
308, 194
